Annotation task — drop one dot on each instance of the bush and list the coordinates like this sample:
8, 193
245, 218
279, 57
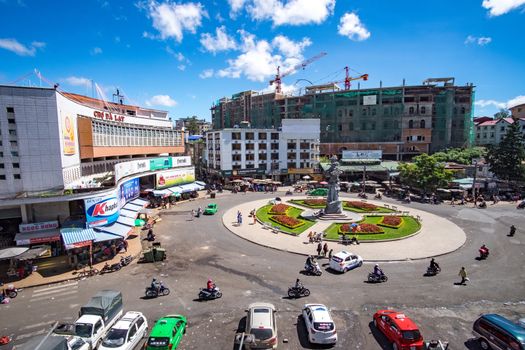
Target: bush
391, 221
287, 221
361, 205
315, 202
279, 209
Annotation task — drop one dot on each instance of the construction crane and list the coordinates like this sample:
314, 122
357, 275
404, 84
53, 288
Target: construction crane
302, 65
348, 78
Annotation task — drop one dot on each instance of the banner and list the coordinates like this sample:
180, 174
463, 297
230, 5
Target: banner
102, 210
159, 163
38, 226
68, 135
180, 161
130, 168
174, 177
369, 154
128, 190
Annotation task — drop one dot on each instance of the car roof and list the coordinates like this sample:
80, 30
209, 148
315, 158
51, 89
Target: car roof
164, 325
126, 320
261, 305
511, 327
320, 312
343, 254
261, 319
400, 319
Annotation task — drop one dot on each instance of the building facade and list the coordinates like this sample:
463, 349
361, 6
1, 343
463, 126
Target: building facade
278, 153
518, 111
201, 125
400, 121
491, 132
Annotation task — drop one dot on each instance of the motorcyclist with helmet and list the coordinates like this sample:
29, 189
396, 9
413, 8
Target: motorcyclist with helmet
377, 271
434, 265
210, 286
483, 251
298, 284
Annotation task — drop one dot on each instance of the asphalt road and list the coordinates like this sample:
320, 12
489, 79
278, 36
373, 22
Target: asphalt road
246, 273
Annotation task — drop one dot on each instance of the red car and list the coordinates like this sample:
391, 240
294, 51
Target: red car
400, 330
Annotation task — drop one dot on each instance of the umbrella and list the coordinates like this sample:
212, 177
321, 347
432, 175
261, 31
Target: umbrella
12, 252
306, 177
323, 183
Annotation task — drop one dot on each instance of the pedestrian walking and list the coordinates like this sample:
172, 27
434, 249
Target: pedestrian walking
463, 275
311, 237
240, 219
512, 231
325, 249
330, 254
192, 214
319, 249
254, 219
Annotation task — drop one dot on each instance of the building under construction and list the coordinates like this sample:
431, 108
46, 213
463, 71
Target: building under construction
402, 121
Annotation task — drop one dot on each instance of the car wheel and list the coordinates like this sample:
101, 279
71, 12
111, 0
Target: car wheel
394, 346
484, 344
360, 264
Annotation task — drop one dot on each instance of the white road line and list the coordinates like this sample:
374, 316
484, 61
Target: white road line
27, 335
54, 291
37, 325
56, 296
55, 287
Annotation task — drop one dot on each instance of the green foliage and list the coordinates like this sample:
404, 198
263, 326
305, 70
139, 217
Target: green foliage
506, 158
425, 172
409, 227
460, 155
503, 113
192, 126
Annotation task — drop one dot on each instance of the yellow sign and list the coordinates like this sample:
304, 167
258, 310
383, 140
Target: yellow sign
300, 171
68, 136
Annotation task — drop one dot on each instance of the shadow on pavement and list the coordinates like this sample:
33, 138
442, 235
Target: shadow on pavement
379, 337
472, 344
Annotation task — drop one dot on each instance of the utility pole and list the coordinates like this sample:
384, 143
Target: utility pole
474, 182
364, 178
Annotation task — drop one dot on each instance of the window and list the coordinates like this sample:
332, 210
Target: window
491, 134
423, 110
275, 136
236, 146
250, 166
291, 145
463, 110
11, 121
411, 110
1, 154
249, 136
250, 146
12, 132
132, 332
262, 156
236, 158
350, 126
2, 166
275, 146
262, 136
410, 124
250, 157
236, 135
274, 156
10, 110
140, 321
373, 111
16, 165
2, 177
14, 153
502, 128
350, 113
340, 127
364, 111
422, 124
262, 146
13, 143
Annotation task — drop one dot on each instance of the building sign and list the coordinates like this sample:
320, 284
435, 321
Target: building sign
175, 177
128, 190
38, 226
68, 135
129, 168
300, 171
369, 154
369, 100
180, 161
159, 163
102, 210
108, 116
248, 172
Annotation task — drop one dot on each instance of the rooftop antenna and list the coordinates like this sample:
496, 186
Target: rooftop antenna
120, 98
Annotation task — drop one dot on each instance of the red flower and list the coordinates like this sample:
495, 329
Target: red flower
369, 228
315, 202
279, 209
361, 205
287, 221
394, 221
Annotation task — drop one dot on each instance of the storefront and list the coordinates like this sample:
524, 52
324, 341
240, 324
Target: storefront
41, 234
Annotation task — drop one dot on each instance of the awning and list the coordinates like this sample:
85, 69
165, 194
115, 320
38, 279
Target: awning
174, 191
162, 193
77, 237
132, 207
200, 183
116, 229
129, 213
126, 221
32, 254
188, 188
12, 252
26, 238
104, 236
140, 201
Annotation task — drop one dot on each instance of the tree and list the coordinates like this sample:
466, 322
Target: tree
460, 155
425, 173
503, 113
506, 159
192, 126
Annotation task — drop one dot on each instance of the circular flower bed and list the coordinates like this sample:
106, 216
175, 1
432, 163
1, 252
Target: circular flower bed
391, 221
279, 209
361, 205
360, 228
315, 202
287, 221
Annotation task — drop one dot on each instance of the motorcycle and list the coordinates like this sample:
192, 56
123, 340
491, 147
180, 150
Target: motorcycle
11, 292
362, 195
126, 260
294, 292
483, 253
432, 271
155, 292
205, 294
521, 205
289, 193
373, 278
110, 268
314, 270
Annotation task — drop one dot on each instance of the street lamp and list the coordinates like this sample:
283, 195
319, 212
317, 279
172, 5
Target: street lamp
474, 182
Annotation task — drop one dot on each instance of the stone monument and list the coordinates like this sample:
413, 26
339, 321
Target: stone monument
334, 207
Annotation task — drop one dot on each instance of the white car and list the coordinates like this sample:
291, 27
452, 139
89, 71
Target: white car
344, 261
126, 333
77, 343
319, 324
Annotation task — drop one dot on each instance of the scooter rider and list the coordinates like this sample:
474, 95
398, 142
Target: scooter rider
434, 265
484, 250
210, 285
377, 271
309, 262
155, 285
298, 284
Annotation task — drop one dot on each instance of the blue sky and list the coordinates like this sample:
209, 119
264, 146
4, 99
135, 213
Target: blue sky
182, 56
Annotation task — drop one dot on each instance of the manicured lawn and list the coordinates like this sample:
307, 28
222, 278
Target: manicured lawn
264, 216
410, 226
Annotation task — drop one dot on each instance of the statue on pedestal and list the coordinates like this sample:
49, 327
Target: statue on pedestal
333, 204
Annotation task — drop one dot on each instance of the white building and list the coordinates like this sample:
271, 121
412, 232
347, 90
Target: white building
293, 149
491, 132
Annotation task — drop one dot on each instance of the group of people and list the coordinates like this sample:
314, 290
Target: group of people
196, 213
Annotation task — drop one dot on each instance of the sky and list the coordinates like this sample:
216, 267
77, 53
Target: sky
183, 56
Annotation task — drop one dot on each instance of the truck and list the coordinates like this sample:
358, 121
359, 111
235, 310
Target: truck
98, 316
55, 342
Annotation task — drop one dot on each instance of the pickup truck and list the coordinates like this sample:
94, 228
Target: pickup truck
55, 342
98, 316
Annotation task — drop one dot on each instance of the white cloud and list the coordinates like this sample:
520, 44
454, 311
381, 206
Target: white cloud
181, 67
178, 55
161, 100
221, 42
207, 73
481, 41
286, 12
498, 104
259, 58
501, 7
78, 81
20, 49
350, 26
96, 51
516, 101
172, 19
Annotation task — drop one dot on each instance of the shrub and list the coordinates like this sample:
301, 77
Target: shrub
287, 221
391, 221
361, 228
361, 205
279, 209
315, 202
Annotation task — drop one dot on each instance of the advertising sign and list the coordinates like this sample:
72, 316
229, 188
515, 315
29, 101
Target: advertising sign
174, 177
38, 226
102, 210
128, 190
369, 100
159, 163
180, 161
369, 154
129, 168
68, 135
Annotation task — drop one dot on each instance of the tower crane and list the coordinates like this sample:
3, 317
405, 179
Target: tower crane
348, 78
279, 76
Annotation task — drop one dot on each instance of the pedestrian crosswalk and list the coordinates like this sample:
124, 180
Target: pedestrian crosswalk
53, 292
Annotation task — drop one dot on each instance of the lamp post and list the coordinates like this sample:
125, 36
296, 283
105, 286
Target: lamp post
364, 178
474, 182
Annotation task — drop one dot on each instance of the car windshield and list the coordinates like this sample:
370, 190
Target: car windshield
336, 259
115, 338
262, 333
324, 326
76, 344
411, 335
156, 342
83, 330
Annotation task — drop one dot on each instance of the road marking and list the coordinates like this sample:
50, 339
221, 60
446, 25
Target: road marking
27, 335
58, 295
53, 291
55, 287
37, 325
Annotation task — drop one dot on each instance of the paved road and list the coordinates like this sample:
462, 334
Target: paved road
246, 273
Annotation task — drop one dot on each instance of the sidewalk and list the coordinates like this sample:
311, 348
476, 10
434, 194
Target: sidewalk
438, 236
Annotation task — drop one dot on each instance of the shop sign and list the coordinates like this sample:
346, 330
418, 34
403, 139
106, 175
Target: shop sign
129, 168
128, 190
248, 171
160, 163
226, 172
174, 177
38, 226
180, 161
101, 211
109, 116
300, 170
368, 154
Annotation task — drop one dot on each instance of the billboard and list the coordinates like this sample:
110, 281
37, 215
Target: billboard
369, 100
180, 161
174, 177
368, 154
159, 163
102, 210
68, 135
128, 190
130, 168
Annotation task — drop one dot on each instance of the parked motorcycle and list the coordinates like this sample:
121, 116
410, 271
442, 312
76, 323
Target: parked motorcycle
432, 271
314, 270
110, 268
11, 292
205, 294
155, 292
126, 260
298, 292
373, 278
521, 205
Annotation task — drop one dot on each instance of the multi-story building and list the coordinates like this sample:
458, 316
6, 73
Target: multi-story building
200, 125
401, 121
491, 132
285, 153
518, 111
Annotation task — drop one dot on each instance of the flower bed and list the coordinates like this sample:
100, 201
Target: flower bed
391, 221
315, 202
361, 205
279, 209
287, 221
361, 228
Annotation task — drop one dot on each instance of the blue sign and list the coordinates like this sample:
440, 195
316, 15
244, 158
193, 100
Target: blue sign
102, 211
129, 190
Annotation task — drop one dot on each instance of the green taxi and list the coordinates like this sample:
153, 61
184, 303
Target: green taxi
210, 209
167, 333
